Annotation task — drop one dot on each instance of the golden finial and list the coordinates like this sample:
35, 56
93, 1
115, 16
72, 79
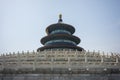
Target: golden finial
60, 18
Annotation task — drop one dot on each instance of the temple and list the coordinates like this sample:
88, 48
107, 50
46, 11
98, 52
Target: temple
60, 58
59, 36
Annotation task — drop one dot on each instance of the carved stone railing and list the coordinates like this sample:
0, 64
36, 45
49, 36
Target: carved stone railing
63, 59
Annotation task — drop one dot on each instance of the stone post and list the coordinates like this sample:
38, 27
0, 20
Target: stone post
116, 59
101, 59
35, 59
52, 61
4, 62
85, 57
19, 62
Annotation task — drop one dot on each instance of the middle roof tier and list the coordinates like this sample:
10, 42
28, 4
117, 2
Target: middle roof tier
60, 37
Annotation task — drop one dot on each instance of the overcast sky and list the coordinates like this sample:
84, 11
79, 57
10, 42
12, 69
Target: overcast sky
23, 23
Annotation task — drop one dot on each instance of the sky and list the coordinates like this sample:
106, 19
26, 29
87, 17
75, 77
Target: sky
23, 23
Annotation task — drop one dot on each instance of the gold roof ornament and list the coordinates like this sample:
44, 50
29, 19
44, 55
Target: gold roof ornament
60, 18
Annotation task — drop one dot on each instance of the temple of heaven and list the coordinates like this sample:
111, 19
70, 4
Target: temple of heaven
60, 36
60, 59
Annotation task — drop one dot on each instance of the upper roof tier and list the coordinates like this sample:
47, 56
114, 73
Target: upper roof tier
60, 26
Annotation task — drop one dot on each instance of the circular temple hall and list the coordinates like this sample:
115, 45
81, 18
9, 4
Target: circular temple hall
60, 36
